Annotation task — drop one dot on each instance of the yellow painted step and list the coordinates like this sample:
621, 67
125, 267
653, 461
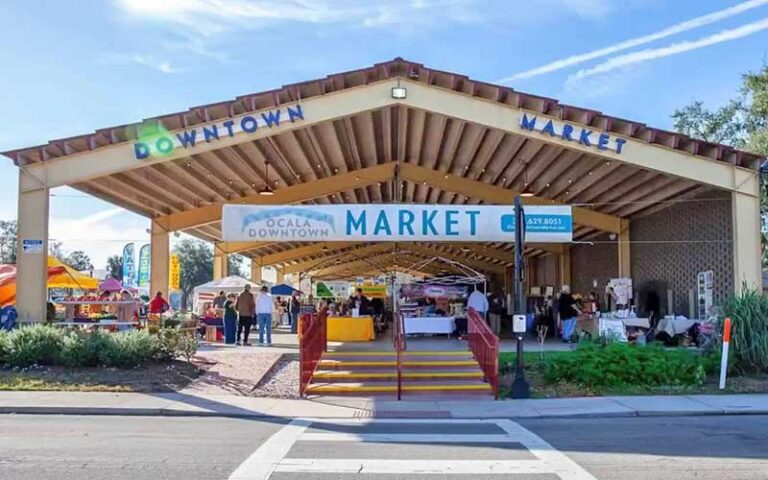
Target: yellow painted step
357, 388
331, 388
393, 375
327, 362
447, 388
414, 353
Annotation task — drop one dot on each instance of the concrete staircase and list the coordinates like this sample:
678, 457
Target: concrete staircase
423, 372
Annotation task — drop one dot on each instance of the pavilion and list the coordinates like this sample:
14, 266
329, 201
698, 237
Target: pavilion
648, 204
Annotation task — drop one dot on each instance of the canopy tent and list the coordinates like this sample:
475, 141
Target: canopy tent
208, 291
113, 285
70, 278
8, 281
283, 289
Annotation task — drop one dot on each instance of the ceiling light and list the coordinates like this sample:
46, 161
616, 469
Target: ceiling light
399, 93
527, 193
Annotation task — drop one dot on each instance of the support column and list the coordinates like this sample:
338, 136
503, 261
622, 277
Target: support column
159, 252
625, 269
565, 266
280, 275
220, 262
747, 264
255, 271
32, 256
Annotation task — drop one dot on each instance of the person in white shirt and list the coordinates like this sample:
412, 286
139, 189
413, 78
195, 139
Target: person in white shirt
478, 301
264, 307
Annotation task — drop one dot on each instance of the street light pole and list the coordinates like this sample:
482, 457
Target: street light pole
520, 387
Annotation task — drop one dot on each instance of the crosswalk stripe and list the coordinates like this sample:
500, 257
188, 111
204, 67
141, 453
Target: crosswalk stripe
407, 438
414, 467
262, 462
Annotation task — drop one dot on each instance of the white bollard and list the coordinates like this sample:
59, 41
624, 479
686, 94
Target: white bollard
724, 357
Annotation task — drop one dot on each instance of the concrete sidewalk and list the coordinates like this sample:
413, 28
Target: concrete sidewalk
180, 404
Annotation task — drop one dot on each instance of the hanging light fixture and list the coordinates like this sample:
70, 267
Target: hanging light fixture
267, 190
526, 191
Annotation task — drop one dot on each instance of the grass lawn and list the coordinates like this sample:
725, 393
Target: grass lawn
155, 377
534, 373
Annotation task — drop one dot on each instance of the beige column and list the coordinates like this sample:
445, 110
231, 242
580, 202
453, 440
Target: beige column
747, 265
255, 271
565, 267
159, 250
280, 275
219, 262
32, 258
625, 269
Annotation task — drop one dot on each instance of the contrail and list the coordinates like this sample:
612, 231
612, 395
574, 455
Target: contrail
634, 42
674, 49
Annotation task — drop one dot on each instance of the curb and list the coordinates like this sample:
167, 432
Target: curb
164, 412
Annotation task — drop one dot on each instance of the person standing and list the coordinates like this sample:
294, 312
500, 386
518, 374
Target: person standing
295, 309
568, 313
220, 300
495, 309
158, 304
478, 302
245, 309
264, 315
230, 319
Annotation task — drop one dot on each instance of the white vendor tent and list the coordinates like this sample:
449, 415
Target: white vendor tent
208, 291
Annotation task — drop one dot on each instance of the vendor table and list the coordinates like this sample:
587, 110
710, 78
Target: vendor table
438, 325
675, 326
102, 323
351, 329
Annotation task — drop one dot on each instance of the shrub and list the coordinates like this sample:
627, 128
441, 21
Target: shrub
175, 342
748, 312
619, 364
34, 345
129, 349
5, 346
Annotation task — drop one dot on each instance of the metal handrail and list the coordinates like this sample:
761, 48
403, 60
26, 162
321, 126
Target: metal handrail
484, 345
312, 343
398, 337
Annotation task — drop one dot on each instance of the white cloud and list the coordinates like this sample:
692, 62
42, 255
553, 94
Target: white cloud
211, 17
651, 54
633, 42
148, 61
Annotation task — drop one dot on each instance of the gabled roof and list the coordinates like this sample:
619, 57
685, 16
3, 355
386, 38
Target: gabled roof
382, 71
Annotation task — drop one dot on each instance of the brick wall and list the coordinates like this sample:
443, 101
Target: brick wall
699, 236
599, 262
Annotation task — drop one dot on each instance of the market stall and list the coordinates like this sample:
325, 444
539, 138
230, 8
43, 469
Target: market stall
206, 292
349, 329
433, 325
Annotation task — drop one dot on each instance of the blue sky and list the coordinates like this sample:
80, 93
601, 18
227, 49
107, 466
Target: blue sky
72, 67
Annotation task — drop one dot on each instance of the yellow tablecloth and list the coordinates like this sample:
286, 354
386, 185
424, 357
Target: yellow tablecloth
351, 329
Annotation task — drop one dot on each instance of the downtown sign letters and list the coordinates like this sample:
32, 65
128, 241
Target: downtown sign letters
390, 223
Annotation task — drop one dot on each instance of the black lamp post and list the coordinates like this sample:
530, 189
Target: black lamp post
520, 387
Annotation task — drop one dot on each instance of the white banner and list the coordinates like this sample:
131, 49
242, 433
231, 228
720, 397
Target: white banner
388, 223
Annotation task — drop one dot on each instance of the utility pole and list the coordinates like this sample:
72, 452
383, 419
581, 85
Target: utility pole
520, 387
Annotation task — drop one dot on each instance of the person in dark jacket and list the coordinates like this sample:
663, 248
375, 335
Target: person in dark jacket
495, 310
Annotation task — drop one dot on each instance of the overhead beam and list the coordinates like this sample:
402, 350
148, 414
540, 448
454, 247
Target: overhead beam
301, 192
310, 265
499, 195
305, 251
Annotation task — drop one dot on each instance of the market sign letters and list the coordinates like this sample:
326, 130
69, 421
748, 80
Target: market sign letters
389, 223
566, 131
155, 141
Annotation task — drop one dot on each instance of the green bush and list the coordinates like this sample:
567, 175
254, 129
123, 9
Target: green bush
748, 312
47, 345
129, 349
175, 343
5, 346
34, 345
619, 364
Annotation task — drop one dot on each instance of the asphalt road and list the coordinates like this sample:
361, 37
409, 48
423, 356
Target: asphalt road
110, 448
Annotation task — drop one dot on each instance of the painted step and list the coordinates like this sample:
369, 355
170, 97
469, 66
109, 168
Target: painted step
332, 363
346, 375
366, 388
407, 353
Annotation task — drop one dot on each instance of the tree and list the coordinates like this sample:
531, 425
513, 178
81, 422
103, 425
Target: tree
742, 123
55, 250
9, 241
196, 259
78, 260
235, 265
115, 267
